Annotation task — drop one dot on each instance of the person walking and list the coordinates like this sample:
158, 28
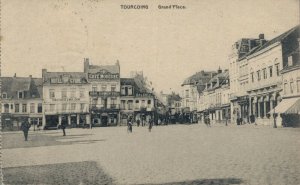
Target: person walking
129, 125
63, 127
150, 124
138, 122
25, 128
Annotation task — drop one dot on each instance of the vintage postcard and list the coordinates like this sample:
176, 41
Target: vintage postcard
150, 92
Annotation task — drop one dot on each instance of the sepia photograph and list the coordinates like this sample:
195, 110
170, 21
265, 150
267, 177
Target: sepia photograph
150, 92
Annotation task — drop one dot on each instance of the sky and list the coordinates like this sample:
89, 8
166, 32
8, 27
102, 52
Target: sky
167, 45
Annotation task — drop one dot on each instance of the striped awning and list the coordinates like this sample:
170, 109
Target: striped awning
287, 106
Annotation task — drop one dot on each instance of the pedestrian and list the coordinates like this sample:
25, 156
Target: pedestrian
129, 126
25, 128
63, 127
138, 122
150, 124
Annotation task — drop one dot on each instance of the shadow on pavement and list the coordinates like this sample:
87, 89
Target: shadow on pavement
221, 181
16, 140
87, 172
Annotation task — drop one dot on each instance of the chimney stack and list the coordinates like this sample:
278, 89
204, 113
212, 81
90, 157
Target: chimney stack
261, 36
30, 76
15, 75
86, 64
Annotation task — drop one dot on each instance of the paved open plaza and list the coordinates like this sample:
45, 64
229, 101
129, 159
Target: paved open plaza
174, 154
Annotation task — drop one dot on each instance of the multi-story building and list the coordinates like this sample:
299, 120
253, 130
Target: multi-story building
66, 99
214, 99
136, 101
21, 99
265, 81
288, 110
238, 72
104, 93
190, 91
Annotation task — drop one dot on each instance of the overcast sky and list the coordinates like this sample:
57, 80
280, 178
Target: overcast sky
168, 45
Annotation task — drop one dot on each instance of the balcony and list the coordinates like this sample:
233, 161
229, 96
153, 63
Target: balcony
109, 107
104, 93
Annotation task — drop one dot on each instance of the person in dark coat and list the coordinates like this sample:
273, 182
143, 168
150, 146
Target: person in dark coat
63, 127
150, 124
25, 128
129, 125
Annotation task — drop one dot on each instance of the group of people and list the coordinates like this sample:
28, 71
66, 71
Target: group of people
130, 124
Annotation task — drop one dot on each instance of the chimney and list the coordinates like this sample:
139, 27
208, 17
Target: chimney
30, 76
86, 64
15, 75
261, 36
219, 70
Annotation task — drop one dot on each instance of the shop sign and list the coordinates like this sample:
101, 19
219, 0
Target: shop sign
67, 79
66, 99
103, 75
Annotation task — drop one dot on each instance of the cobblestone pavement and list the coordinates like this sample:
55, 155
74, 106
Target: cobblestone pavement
174, 154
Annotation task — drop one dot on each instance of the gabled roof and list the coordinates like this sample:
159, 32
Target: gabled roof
13, 85
114, 69
201, 77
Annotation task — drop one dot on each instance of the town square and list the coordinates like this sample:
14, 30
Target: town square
173, 154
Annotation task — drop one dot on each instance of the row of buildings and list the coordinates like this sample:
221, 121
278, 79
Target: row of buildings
97, 96
262, 84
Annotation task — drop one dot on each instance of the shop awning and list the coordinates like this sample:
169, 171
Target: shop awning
287, 106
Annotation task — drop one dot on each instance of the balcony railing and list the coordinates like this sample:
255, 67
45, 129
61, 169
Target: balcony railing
102, 107
104, 93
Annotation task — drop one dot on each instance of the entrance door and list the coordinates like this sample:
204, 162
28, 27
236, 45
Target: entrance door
104, 120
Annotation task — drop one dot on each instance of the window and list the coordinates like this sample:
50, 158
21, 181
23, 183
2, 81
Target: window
6, 108
258, 75
122, 104
149, 103
4, 95
73, 106
17, 108
94, 88
292, 87
81, 94
94, 102
11, 106
285, 88
130, 104
82, 106
32, 107
52, 107
137, 102
64, 107
265, 73
277, 69
187, 94
252, 76
290, 60
143, 103
129, 90
73, 91
103, 88
40, 108
51, 93
113, 88
64, 93
113, 102
24, 107
270, 71
20, 94
123, 90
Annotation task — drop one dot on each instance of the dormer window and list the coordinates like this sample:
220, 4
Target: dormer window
20, 94
4, 95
